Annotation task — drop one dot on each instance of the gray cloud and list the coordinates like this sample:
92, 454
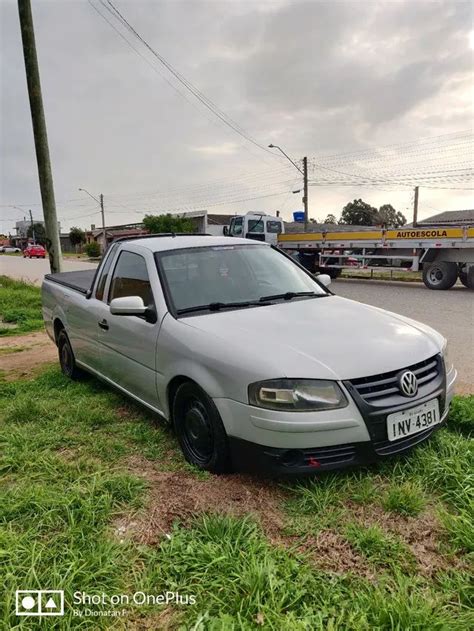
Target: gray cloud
314, 76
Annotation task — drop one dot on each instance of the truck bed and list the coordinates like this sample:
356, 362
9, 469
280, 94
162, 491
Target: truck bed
79, 281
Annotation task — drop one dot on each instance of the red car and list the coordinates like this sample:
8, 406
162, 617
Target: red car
34, 251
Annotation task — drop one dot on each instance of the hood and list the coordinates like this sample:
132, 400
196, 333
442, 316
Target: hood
322, 338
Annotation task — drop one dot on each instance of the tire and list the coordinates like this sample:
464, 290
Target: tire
67, 360
467, 278
440, 275
199, 429
333, 272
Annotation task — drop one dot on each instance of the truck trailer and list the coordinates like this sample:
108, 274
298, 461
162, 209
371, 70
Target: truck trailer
442, 253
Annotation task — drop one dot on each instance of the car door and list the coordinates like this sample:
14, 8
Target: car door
128, 343
83, 314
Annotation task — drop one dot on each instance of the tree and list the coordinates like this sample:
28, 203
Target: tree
330, 219
358, 213
92, 249
77, 237
167, 223
387, 216
40, 233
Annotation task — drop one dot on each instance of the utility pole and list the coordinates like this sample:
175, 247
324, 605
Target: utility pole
32, 228
100, 201
53, 244
104, 238
415, 208
305, 189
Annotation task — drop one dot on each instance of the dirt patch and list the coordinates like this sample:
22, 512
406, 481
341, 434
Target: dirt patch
421, 534
165, 620
22, 355
179, 496
331, 552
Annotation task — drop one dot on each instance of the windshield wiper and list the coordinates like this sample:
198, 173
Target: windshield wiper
217, 306
289, 295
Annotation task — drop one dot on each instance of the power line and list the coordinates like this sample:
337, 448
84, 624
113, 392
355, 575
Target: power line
203, 99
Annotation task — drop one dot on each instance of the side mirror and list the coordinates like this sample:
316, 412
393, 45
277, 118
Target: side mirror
324, 279
225, 231
128, 305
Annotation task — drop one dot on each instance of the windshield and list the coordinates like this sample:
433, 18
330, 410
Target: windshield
233, 274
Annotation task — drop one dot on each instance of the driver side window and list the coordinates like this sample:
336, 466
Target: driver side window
236, 225
130, 278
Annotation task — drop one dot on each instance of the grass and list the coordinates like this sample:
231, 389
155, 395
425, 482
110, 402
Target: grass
66, 452
20, 307
381, 274
406, 498
377, 546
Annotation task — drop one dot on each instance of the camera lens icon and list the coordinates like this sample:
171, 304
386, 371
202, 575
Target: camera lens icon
28, 602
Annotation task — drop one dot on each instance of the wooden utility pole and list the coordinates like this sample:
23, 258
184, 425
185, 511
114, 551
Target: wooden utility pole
415, 208
104, 237
305, 189
32, 228
53, 244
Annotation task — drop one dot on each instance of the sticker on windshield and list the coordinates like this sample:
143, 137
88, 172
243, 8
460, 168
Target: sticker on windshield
223, 247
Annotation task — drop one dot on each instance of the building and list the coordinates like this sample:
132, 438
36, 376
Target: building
20, 239
451, 218
298, 226
114, 232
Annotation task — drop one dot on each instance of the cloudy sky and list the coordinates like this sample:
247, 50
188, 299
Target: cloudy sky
374, 93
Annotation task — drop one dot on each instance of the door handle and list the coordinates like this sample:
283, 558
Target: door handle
103, 325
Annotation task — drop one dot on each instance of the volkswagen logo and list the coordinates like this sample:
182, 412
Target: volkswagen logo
408, 383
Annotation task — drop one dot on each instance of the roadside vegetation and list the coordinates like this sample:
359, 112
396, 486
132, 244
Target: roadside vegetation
96, 497
20, 307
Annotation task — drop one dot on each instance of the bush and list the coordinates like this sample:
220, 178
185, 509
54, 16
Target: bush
92, 249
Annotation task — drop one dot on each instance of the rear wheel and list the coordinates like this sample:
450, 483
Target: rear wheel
440, 275
67, 360
466, 276
199, 429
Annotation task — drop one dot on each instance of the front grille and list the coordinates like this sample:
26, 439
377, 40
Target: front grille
330, 455
376, 388
333, 456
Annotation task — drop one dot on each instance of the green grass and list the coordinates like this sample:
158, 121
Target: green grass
66, 449
20, 307
378, 547
406, 498
461, 416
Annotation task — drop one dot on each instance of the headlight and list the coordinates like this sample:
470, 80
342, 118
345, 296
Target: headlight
447, 357
297, 395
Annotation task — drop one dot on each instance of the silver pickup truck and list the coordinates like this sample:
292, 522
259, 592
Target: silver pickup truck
252, 359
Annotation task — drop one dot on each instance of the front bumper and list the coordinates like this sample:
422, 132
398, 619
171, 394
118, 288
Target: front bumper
281, 443
274, 461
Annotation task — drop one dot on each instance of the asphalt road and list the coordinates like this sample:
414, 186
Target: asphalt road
449, 312
33, 270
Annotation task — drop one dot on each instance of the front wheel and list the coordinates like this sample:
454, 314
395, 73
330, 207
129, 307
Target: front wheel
440, 275
199, 429
67, 360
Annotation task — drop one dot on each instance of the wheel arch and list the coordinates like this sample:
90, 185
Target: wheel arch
172, 389
58, 326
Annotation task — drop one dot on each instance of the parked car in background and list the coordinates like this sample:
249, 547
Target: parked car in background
34, 251
7, 249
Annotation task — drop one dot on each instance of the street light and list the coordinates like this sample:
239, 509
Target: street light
86, 191
100, 201
286, 156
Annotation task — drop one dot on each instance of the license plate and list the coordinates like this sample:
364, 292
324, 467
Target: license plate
412, 421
